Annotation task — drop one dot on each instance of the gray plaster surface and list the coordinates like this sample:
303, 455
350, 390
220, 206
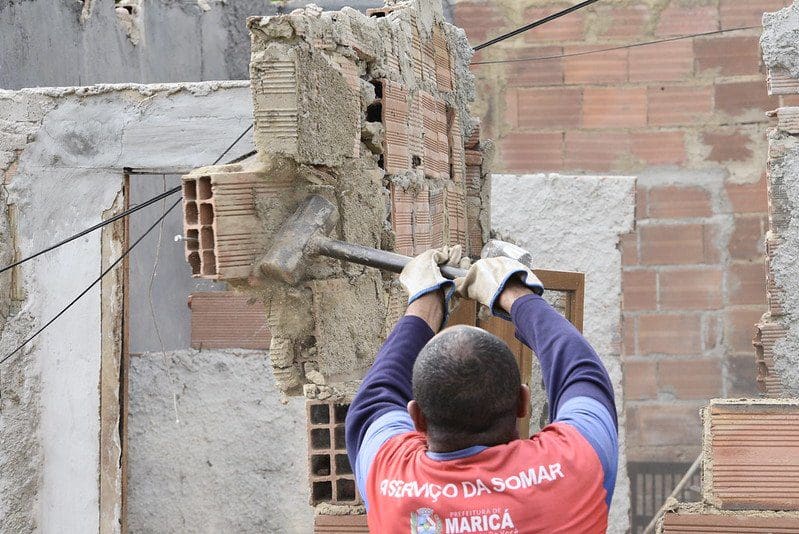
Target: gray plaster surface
784, 177
780, 39
68, 148
234, 460
573, 223
67, 42
160, 277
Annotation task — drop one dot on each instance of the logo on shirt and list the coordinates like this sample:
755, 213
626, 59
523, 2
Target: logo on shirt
425, 521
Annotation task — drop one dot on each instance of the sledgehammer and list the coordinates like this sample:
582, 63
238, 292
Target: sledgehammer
304, 236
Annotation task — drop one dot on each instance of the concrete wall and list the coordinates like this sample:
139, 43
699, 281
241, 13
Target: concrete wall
68, 42
686, 117
62, 153
575, 223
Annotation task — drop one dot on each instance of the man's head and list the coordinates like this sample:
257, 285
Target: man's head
467, 390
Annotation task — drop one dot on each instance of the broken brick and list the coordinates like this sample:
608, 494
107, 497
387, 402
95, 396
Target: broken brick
752, 455
227, 320
330, 473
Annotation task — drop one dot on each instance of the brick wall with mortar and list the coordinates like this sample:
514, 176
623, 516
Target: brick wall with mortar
688, 118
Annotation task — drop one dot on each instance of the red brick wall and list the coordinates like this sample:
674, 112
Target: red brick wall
687, 117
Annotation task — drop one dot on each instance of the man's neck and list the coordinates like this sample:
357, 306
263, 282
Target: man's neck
449, 444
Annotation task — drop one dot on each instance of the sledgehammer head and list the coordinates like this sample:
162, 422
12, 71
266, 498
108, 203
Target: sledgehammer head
292, 247
495, 248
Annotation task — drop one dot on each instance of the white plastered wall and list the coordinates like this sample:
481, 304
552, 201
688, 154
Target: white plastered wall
62, 154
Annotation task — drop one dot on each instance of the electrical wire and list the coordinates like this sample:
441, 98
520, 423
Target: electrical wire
94, 283
535, 24
105, 222
620, 47
123, 214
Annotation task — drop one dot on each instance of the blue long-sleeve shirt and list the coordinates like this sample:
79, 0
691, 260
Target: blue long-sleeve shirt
578, 387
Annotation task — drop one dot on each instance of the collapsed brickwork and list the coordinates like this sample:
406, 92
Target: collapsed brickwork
371, 112
777, 334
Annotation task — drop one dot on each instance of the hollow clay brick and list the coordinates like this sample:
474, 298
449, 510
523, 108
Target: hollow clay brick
729, 56
767, 334
442, 61
678, 19
411, 220
751, 454
671, 61
456, 152
625, 23
395, 121
274, 88
676, 202
607, 67
227, 320
775, 295
229, 230
679, 105
340, 524
456, 215
330, 473
737, 14
788, 120
780, 82
729, 523
563, 29
736, 98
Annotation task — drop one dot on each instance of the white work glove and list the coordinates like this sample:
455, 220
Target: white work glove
422, 274
486, 279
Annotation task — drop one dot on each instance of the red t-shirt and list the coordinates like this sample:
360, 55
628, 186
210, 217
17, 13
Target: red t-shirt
549, 483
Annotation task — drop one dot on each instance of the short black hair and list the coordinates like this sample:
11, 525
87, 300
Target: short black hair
466, 381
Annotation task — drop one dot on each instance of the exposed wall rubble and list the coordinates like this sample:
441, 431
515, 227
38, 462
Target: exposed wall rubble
370, 112
777, 335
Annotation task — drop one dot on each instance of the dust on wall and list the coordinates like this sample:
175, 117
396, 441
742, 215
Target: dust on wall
370, 112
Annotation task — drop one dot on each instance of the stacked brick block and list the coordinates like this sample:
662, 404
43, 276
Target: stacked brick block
330, 473
774, 325
749, 471
688, 118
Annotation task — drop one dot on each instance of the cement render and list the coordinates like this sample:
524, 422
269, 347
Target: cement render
66, 42
780, 39
785, 265
574, 223
67, 149
234, 461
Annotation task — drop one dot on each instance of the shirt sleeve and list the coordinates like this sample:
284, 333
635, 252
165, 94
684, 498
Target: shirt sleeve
385, 389
384, 428
595, 424
570, 367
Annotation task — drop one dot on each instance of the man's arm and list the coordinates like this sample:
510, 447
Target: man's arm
569, 365
578, 387
379, 410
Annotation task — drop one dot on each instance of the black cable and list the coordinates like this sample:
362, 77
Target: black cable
234, 143
620, 47
97, 226
125, 213
535, 24
105, 272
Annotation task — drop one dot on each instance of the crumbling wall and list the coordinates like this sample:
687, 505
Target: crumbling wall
370, 112
777, 335
575, 223
62, 154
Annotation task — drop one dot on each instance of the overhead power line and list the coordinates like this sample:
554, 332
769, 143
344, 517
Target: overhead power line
134, 209
96, 281
535, 24
611, 49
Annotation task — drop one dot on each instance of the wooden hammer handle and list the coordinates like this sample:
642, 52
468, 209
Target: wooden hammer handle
371, 257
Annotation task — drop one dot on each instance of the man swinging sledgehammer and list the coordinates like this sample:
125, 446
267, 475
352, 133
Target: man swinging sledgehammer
432, 434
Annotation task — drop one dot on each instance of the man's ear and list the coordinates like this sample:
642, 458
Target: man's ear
523, 406
417, 416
